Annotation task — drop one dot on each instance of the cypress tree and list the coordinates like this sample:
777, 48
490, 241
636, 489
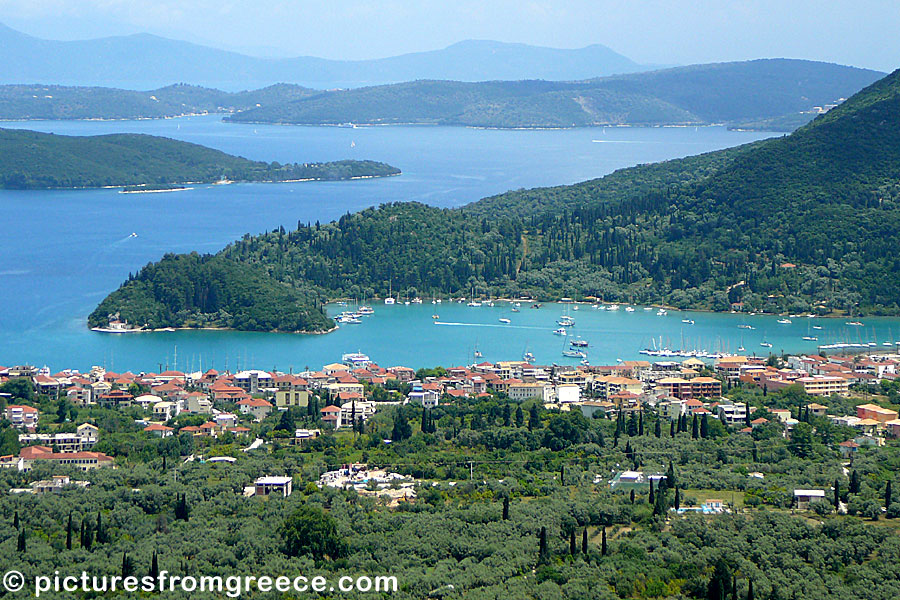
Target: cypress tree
16, 520
854, 482
641, 423
520, 417
584, 541
20, 542
837, 494
100, 535
506, 509
657, 429
88, 542
670, 476
154, 566
677, 498
750, 590
572, 547
69, 533
734, 587
632, 496
652, 498
542, 545
127, 565
562, 475
672, 429
695, 429
887, 494
704, 427
603, 542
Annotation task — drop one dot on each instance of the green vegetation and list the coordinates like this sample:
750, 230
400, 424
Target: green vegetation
209, 291
31, 102
535, 516
783, 123
700, 94
30, 160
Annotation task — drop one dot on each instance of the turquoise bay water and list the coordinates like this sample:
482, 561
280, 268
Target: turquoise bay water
61, 252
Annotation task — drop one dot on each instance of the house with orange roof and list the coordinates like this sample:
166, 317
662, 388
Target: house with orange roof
331, 415
21, 416
257, 407
80, 460
159, 430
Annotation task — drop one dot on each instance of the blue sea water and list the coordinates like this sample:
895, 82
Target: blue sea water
62, 251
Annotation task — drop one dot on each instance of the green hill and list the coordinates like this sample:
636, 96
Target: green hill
696, 95
57, 102
29, 160
809, 221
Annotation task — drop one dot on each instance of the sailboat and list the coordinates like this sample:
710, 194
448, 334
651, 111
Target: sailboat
764, 343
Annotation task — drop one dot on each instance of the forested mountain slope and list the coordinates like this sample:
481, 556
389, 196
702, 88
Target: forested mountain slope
809, 221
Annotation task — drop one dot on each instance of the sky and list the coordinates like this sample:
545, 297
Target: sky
661, 32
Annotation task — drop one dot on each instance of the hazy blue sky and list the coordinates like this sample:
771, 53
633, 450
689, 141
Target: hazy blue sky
862, 33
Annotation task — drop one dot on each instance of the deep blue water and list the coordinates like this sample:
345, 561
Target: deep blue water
61, 252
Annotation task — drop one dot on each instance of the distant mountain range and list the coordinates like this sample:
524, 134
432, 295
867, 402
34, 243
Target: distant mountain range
695, 95
146, 61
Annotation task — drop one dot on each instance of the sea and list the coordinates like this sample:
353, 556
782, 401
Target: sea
62, 251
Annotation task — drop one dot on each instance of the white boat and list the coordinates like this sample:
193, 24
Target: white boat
474, 303
629, 309
765, 344
579, 343
574, 354
560, 331
389, 300
810, 338
417, 301
688, 321
854, 323
817, 327
784, 321
505, 320
435, 317
528, 357
648, 308
566, 321
366, 310
612, 307
662, 312
514, 309
746, 327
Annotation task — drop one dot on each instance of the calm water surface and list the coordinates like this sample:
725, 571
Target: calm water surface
61, 252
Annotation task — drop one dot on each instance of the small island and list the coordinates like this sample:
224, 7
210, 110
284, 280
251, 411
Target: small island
142, 163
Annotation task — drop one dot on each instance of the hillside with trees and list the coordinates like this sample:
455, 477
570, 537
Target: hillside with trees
806, 222
695, 95
33, 160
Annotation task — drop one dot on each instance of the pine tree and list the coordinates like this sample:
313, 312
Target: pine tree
506, 509
584, 541
572, 546
603, 542
69, 533
542, 545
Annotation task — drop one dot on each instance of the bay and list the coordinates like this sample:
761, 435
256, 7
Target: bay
62, 251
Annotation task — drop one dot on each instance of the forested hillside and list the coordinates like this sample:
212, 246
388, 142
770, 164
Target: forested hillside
696, 95
29, 160
807, 222
30, 102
